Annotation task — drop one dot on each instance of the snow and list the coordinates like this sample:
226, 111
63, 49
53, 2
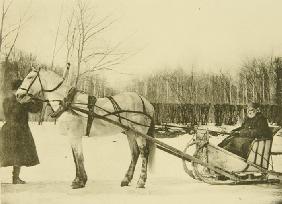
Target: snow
106, 161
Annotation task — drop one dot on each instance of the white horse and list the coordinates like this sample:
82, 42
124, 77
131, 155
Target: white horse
137, 113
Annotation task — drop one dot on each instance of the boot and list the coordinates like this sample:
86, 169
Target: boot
16, 173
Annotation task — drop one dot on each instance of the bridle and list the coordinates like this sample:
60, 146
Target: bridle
42, 88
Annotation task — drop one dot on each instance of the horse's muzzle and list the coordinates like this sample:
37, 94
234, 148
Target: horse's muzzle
22, 97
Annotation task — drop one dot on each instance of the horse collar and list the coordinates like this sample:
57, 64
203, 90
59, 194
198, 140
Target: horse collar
65, 104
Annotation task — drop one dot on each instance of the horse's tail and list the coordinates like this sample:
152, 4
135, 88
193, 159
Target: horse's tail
151, 146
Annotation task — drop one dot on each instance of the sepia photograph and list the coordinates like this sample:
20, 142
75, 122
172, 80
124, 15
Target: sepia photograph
140, 101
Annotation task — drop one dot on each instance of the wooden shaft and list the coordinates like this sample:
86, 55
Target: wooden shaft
170, 149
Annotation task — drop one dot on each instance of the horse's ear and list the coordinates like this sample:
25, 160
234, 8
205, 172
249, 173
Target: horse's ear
66, 72
35, 68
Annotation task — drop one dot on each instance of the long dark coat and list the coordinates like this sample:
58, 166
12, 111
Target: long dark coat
17, 147
239, 142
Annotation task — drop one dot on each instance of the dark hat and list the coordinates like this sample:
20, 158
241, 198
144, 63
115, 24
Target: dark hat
16, 84
254, 105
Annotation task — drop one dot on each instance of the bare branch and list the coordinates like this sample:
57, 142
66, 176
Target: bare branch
22, 21
5, 10
55, 45
3, 16
97, 24
100, 30
108, 63
9, 32
71, 44
93, 54
14, 42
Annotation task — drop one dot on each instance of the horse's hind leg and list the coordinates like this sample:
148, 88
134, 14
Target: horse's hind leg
144, 151
134, 157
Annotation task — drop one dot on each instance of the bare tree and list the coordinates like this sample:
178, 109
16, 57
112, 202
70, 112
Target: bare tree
56, 38
258, 78
10, 34
4, 11
83, 41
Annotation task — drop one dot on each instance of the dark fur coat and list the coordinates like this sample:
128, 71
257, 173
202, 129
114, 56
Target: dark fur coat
240, 140
17, 147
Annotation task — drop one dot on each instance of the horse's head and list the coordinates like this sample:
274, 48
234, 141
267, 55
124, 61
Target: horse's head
31, 86
36, 82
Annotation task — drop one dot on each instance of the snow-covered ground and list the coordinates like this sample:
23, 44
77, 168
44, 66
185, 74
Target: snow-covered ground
106, 160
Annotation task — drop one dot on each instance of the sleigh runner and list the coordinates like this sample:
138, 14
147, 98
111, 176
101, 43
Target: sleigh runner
254, 169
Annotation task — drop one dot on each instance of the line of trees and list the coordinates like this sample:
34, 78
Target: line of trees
255, 81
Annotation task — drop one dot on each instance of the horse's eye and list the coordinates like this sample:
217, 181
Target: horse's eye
30, 77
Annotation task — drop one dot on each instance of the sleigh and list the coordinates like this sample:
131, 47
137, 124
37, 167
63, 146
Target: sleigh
257, 168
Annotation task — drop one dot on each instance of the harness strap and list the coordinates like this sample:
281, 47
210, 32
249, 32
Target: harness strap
115, 106
144, 107
75, 108
65, 104
125, 111
91, 103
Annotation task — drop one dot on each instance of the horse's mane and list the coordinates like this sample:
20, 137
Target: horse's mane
52, 74
55, 79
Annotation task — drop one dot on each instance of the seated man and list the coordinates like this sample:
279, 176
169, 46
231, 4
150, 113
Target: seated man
254, 126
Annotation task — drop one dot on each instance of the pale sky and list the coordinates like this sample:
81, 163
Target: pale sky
205, 34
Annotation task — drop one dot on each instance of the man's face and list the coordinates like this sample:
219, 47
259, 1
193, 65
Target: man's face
251, 112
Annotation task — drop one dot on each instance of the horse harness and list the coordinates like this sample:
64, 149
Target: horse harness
66, 105
91, 104
116, 107
118, 110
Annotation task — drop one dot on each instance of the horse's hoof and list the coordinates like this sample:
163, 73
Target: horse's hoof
140, 185
76, 180
85, 180
77, 185
124, 183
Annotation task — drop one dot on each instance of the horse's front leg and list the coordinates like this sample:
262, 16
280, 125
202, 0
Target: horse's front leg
81, 177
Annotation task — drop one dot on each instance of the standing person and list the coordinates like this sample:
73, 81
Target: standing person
17, 147
254, 126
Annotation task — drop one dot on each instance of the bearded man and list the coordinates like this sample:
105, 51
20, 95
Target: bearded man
254, 126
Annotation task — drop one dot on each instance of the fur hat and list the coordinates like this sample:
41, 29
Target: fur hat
254, 105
